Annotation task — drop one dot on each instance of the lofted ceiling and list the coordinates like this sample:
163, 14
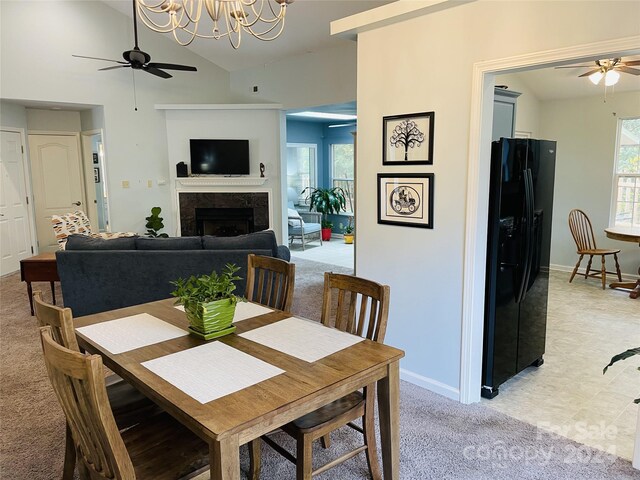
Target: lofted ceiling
306, 30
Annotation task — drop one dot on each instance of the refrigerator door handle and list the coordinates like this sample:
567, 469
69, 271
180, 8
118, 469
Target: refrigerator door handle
522, 289
530, 233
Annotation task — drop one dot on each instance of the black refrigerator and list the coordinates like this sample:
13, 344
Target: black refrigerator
518, 244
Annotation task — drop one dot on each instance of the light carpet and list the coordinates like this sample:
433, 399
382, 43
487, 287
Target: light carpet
440, 438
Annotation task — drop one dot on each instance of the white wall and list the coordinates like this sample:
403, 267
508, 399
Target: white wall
585, 129
262, 127
318, 78
37, 40
12, 115
53, 120
424, 267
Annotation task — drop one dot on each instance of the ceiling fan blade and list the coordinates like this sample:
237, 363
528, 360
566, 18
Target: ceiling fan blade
155, 71
631, 63
172, 66
632, 71
589, 72
98, 58
114, 67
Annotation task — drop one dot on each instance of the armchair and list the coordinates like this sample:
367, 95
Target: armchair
304, 225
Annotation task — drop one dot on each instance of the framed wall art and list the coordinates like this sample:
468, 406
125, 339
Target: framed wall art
408, 139
406, 200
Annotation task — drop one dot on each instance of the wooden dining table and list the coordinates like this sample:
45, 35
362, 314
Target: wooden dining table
626, 234
235, 419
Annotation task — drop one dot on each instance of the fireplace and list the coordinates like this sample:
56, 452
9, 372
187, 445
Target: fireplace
223, 214
224, 222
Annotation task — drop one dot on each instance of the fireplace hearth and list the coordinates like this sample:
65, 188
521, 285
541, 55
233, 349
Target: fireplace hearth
223, 214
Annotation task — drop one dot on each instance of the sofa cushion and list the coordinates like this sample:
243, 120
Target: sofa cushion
265, 240
172, 243
84, 242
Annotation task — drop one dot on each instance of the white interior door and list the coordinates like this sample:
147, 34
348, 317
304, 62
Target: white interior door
15, 234
56, 170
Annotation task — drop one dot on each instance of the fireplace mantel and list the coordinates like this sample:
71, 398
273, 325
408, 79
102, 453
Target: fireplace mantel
218, 181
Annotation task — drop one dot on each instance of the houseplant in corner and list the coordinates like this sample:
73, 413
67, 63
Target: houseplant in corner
209, 302
348, 232
154, 224
326, 201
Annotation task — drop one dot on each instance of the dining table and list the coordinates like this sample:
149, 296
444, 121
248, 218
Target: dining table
626, 234
295, 387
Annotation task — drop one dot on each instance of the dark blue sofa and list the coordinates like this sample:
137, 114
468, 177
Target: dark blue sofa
97, 275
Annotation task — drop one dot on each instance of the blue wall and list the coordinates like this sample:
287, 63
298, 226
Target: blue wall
320, 134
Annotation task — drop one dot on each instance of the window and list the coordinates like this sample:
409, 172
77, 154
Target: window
301, 170
626, 191
342, 171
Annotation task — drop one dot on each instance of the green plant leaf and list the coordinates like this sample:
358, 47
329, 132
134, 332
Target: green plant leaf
622, 356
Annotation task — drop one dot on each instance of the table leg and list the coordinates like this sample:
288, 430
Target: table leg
53, 292
389, 413
30, 293
224, 458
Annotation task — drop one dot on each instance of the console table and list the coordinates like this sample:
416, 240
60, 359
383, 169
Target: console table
40, 268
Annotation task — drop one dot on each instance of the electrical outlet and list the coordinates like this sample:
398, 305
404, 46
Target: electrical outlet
149, 183
255, 89
125, 184
162, 181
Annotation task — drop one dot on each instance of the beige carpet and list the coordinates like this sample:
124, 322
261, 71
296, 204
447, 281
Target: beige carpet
440, 439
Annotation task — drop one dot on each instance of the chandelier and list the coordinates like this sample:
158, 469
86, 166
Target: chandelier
263, 19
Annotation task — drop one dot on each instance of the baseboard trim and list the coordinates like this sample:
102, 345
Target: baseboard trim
430, 384
626, 277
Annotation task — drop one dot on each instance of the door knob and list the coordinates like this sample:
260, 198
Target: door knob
77, 204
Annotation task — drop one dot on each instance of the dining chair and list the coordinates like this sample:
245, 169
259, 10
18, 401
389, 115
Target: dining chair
360, 307
270, 281
157, 448
582, 233
128, 405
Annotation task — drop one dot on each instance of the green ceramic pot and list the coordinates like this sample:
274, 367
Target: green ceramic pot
212, 319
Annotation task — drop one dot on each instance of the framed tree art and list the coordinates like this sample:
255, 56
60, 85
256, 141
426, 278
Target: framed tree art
408, 139
406, 199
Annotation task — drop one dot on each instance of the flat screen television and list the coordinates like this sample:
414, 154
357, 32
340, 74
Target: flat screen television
219, 157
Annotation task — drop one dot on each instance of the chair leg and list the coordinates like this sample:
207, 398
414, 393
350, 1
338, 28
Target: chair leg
603, 272
575, 270
615, 257
304, 459
69, 456
326, 440
255, 456
586, 272
368, 427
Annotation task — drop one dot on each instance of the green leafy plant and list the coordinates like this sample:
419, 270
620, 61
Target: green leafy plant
348, 229
623, 356
195, 291
326, 201
154, 224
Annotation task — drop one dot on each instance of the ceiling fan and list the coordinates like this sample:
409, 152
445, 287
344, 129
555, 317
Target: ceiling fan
139, 60
608, 69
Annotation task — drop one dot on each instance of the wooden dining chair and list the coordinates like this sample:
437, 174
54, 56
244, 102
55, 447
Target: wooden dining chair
362, 308
157, 448
129, 406
270, 281
582, 233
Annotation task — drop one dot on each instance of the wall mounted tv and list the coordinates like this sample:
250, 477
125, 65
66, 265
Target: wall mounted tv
219, 157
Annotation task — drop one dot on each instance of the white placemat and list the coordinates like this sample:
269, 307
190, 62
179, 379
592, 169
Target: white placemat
132, 332
244, 310
303, 339
211, 371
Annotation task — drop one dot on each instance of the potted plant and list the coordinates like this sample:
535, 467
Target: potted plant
154, 224
326, 201
209, 302
623, 356
348, 232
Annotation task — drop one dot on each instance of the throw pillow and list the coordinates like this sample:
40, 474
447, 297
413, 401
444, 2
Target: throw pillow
293, 214
69, 224
265, 240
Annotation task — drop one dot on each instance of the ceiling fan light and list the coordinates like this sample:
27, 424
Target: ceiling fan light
611, 78
596, 77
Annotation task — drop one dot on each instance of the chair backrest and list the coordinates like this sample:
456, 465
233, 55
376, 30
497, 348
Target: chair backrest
78, 381
366, 298
581, 230
270, 281
69, 224
59, 319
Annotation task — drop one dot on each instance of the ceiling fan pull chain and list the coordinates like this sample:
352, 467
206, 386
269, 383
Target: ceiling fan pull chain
135, 97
